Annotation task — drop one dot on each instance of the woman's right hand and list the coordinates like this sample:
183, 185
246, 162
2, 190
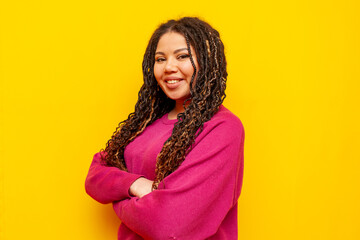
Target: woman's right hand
140, 187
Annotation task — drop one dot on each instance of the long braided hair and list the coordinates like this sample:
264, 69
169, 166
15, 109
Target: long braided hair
206, 96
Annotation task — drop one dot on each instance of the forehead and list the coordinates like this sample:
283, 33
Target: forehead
171, 41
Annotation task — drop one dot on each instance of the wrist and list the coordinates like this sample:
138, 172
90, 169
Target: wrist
133, 191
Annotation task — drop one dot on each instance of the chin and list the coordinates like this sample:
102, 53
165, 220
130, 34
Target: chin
177, 97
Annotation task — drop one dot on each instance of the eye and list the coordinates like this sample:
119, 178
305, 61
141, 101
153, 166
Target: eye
160, 59
183, 56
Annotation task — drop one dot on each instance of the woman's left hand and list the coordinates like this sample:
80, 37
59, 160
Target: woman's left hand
140, 187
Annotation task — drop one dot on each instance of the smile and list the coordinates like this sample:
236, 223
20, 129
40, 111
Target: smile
173, 81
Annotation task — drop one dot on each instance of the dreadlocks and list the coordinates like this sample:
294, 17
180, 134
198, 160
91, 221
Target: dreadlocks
207, 94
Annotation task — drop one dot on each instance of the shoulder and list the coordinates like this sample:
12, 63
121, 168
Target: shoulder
223, 127
224, 119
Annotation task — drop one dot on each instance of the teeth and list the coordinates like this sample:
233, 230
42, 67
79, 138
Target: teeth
172, 81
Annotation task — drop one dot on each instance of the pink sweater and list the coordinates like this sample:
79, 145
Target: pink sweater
199, 199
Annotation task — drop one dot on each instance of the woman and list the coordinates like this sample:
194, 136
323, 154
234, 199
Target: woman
173, 169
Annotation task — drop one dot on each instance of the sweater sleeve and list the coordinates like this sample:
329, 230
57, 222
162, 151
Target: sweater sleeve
192, 202
107, 184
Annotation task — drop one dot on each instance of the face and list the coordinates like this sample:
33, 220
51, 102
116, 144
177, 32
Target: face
173, 69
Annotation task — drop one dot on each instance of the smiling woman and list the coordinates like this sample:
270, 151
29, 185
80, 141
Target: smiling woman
174, 168
173, 69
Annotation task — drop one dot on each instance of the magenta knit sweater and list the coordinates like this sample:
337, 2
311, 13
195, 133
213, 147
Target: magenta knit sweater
197, 201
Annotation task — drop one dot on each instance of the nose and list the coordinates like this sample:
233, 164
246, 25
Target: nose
170, 66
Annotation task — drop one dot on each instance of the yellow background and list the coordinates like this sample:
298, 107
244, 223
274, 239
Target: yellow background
71, 70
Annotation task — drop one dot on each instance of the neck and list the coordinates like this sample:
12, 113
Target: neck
179, 108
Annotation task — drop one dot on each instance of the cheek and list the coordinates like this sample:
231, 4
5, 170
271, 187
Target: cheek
188, 69
157, 72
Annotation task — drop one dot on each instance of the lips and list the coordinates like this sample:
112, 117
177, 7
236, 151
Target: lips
169, 78
172, 82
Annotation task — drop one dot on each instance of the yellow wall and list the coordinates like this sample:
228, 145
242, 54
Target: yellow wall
71, 70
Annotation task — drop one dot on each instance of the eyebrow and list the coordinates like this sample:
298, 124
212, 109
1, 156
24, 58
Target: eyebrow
176, 51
